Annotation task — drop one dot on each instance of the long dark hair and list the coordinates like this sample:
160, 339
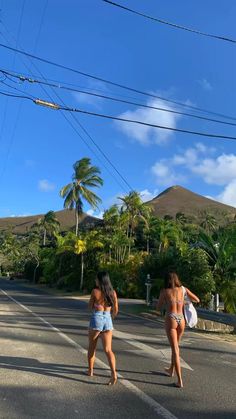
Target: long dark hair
172, 280
106, 287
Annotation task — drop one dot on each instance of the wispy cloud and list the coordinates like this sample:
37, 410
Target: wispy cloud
30, 163
165, 174
95, 213
228, 195
93, 87
170, 171
45, 186
198, 161
218, 171
205, 84
147, 195
19, 215
146, 135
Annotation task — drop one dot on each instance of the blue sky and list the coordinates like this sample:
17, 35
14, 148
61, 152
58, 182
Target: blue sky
38, 146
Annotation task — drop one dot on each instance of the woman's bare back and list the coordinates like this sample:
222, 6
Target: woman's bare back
174, 300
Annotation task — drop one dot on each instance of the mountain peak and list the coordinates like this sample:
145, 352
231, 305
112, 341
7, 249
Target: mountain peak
177, 199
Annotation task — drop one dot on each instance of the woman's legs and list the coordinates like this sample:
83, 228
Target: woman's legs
173, 339
93, 338
170, 324
107, 346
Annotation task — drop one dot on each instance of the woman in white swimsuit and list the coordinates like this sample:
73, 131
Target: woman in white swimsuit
173, 299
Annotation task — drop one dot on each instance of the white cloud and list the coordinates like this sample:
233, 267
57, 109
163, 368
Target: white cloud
19, 215
220, 170
205, 84
144, 134
165, 170
191, 155
228, 195
217, 171
84, 98
165, 175
95, 213
45, 186
93, 87
147, 195
29, 163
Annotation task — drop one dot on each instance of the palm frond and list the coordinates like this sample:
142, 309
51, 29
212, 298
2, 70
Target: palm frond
65, 189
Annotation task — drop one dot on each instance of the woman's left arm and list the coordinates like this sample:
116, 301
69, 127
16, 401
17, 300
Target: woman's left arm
115, 306
91, 301
161, 300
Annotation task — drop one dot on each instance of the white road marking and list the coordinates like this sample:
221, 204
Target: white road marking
160, 354
157, 407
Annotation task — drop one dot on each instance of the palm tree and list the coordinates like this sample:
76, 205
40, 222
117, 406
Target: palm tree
49, 224
209, 222
90, 241
85, 176
136, 210
222, 258
165, 233
181, 218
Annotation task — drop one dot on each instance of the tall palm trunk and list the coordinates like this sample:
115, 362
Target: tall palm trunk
35, 270
82, 272
44, 236
76, 223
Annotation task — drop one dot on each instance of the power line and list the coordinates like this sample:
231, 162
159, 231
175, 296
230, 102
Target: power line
99, 149
174, 25
14, 88
4, 93
40, 25
24, 78
64, 108
113, 83
11, 142
83, 139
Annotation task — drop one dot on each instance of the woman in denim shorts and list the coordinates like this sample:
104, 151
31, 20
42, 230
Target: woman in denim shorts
103, 302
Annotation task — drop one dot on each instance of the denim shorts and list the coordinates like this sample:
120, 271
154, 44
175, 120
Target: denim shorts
101, 320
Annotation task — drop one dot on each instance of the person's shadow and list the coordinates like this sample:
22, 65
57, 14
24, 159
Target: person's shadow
34, 366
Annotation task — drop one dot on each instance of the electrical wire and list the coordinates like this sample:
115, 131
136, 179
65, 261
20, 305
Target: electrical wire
12, 137
24, 78
174, 25
64, 108
113, 83
83, 139
14, 88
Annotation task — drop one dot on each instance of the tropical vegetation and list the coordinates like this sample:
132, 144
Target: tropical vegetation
130, 242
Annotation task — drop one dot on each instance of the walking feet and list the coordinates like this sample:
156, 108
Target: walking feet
113, 380
90, 373
179, 384
169, 372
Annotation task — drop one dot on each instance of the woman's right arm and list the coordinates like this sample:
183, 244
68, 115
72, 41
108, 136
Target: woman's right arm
192, 296
115, 305
161, 300
92, 300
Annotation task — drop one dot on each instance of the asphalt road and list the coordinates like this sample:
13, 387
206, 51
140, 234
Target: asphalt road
43, 365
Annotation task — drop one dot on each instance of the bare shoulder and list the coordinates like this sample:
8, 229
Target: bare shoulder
96, 292
163, 293
192, 296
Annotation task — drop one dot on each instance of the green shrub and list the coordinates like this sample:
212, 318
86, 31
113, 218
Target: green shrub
70, 282
195, 273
